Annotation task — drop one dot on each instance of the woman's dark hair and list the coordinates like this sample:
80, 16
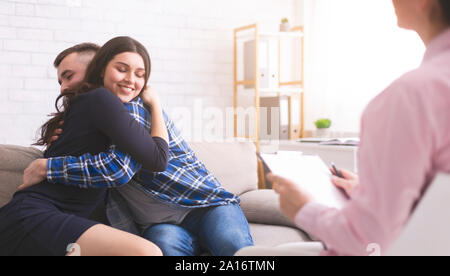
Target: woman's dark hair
93, 79
445, 4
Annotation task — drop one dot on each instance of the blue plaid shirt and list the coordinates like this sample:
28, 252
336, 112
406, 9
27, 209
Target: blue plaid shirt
186, 182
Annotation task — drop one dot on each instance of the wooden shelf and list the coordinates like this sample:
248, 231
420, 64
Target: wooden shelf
275, 92
294, 88
274, 35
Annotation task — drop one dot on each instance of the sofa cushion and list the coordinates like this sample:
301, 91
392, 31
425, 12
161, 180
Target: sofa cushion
262, 206
13, 161
274, 235
234, 164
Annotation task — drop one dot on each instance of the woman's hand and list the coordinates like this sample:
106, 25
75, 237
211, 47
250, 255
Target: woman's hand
348, 183
150, 97
34, 174
292, 197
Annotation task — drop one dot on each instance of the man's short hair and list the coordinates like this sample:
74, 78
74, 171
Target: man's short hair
79, 48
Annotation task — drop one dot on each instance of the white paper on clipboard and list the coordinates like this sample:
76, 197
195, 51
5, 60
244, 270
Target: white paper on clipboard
310, 172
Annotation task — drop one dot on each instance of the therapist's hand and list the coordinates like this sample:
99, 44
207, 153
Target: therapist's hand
348, 183
292, 197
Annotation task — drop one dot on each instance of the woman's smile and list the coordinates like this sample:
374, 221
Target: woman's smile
124, 76
126, 89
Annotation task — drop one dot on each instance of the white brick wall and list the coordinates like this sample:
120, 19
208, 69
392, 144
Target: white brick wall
190, 42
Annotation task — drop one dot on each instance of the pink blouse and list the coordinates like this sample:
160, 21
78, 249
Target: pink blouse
405, 142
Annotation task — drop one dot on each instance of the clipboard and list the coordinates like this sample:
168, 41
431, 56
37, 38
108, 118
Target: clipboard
266, 167
308, 171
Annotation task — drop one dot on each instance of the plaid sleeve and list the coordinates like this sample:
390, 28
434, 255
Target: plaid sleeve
111, 169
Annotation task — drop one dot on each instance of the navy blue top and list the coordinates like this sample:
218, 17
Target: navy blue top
94, 121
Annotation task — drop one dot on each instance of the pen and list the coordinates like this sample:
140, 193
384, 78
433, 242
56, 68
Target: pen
336, 171
339, 174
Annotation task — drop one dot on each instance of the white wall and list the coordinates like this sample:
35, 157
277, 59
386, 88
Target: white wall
190, 42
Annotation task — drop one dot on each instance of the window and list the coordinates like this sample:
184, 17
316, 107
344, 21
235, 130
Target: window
354, 50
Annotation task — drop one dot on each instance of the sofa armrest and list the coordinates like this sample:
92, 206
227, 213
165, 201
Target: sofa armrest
262, 206
13, 161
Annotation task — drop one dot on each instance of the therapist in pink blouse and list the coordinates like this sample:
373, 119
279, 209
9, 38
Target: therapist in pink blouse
405, 142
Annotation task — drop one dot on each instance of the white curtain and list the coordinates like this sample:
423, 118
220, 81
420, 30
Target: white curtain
354, 50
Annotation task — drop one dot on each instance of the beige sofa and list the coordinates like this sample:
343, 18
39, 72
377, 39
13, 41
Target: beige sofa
234, 164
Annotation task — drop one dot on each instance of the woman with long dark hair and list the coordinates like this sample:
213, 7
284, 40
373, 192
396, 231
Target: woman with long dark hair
45, 219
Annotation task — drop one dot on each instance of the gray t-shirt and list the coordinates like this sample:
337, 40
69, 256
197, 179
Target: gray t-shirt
147, 211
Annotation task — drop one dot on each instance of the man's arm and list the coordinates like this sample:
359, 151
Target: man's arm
107, 169
110, 169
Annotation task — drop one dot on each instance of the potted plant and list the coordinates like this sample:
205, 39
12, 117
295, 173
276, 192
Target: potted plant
285, 26
323, 126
